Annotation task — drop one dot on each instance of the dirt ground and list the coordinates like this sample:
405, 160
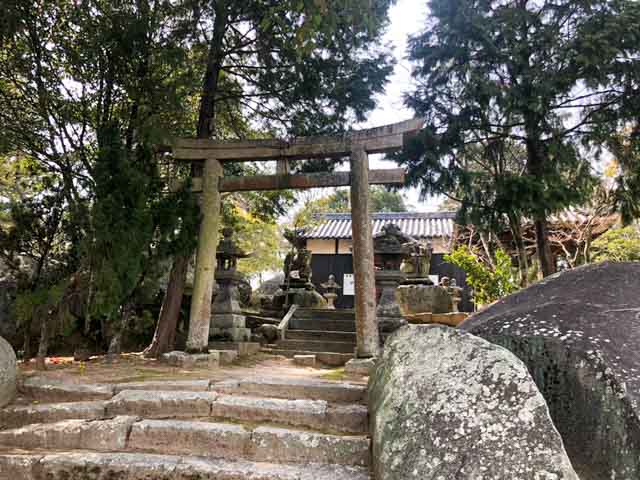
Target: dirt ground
133, 367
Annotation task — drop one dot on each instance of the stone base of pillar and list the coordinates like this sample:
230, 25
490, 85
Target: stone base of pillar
233, 334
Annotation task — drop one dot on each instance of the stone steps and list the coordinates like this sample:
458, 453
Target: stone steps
136, 466
322, 325
331, 359
253, 428
205, 439
315, 346
339, 392
321, 335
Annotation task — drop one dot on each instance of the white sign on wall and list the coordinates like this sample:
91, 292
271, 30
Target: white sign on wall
347, 284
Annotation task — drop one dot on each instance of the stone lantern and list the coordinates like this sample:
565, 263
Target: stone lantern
390, 247
227, 319
331, 288
456, 295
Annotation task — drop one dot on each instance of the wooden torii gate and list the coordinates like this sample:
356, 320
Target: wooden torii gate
357, 145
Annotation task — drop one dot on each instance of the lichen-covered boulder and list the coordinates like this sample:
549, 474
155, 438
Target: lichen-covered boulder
445, 404
579, 334
8, 373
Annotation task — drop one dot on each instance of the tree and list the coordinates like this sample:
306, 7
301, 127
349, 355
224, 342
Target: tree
489, 283
541, 75
295, 67
382, 200
618, 245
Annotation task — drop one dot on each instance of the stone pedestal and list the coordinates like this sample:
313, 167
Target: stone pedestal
227, 319
388, 310
417, 299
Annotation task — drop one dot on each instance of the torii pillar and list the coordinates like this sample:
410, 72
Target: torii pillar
198, 338
367, 335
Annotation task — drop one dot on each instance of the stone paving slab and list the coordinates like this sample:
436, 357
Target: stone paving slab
191, 438
49, 390
164, 385
14, 417
306, 413
135, 466
101, 435
338, 392
281, 445
161, 404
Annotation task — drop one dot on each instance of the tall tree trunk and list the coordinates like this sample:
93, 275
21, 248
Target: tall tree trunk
536, 168
115, 345
164, 336
523, 260
167, 322
43, 346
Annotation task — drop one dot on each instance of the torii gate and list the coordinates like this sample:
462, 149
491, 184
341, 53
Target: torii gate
357, 145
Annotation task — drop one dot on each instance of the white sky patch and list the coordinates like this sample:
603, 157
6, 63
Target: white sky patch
408, 17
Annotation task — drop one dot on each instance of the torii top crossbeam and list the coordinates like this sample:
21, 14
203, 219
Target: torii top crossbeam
383, 139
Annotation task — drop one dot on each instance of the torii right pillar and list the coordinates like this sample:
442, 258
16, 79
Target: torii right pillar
367, 335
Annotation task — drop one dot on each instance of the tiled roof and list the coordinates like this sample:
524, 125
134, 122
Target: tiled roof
418, 225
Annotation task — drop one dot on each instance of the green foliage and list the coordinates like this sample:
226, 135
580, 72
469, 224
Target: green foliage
34, 304
617, 245
382, 200
136, 224
488, 284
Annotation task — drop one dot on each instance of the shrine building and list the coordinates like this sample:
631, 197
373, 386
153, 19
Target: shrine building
330, 243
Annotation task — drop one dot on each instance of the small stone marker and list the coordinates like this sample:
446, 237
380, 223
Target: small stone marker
305, 360
188, 360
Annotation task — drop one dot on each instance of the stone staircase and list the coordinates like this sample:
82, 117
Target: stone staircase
330, 335
257, 429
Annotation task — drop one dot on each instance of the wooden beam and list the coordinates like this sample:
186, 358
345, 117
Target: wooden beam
394, 176
383, 139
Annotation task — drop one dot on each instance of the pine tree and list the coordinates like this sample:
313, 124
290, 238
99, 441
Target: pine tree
535, 74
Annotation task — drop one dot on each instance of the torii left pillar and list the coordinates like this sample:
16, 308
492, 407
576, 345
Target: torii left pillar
200, 314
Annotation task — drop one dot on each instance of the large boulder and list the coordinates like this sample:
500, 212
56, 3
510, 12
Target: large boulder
8, 373
445, 404
579, 334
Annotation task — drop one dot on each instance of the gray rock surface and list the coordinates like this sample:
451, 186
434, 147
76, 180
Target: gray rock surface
578, 332
445, 404
8, 373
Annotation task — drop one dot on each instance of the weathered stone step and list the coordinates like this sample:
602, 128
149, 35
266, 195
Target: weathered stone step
317, 414
343, 314
316, 346
40, 390
321, 335
216, 440
331, 359
265, 444
335, 392
322, 324
136, 466
45, 389
18, 416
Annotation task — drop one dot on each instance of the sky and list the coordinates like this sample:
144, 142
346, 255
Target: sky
407, 17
